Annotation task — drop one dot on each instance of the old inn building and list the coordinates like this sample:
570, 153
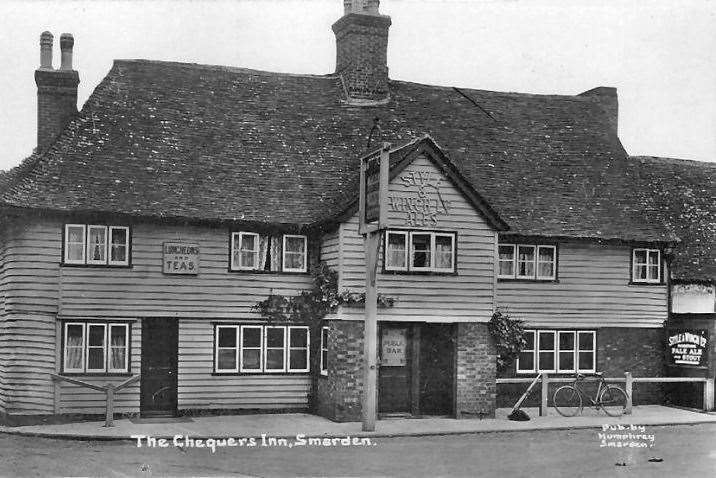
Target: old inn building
138, 237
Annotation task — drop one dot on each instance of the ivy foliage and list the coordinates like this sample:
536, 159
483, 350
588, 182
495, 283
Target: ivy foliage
312, 305
508, 335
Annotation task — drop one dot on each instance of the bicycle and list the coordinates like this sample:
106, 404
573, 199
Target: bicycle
567, 399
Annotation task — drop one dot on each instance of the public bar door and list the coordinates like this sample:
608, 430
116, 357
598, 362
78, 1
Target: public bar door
394, 378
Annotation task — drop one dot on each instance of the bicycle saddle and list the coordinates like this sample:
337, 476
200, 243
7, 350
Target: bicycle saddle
594, 374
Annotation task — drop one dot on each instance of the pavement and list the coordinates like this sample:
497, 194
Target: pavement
292, 424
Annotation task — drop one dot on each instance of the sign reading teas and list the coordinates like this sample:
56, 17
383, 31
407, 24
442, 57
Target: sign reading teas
181, 258
688, 347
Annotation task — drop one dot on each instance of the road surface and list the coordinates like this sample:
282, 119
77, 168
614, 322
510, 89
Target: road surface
683, 451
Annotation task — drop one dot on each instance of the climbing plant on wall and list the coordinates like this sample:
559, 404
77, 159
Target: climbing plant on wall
508, 335
312, 305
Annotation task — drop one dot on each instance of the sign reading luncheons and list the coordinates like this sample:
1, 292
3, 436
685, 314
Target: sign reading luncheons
688, 347
181, 258
394, 343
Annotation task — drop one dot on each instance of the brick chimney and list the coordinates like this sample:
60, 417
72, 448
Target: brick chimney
362, 51
607, 96
56, 90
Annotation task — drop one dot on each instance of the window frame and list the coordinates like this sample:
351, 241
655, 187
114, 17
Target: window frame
66, 242
635, 265
575, 347
127, 247
217, 348
512, 261
260, 348
266, 349
289, 348
284, 252
406, 252
558, 367
533, 349
535, 277
107, 370
88, 246
240, 267
553, 262
323, 367
410, 250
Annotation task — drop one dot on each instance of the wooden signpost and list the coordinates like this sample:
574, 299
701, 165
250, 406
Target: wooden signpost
373, 213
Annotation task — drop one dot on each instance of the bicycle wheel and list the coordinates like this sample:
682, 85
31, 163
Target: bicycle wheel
567, 401
613, 401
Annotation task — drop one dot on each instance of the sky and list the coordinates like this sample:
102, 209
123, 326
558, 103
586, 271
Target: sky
659, 54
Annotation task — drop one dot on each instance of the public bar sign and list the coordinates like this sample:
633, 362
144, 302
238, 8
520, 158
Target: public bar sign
394, 345
688, 347
180, 258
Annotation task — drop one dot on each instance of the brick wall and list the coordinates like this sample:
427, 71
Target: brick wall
56, 103
619, 349
476, 368
338, 395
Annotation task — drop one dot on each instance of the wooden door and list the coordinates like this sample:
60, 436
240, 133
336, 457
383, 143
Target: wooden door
394, 377
436, 369
158, 395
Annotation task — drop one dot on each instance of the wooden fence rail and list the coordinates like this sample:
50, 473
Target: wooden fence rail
109, 390
628, 380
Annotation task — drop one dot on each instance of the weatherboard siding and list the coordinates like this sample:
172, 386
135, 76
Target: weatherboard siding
592, 290
37, 283
464, 297
199, 388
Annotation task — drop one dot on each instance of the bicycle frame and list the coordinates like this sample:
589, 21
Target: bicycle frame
592, 401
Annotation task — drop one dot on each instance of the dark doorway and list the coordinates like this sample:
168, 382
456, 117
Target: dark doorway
436, 369
394, 376
160, 342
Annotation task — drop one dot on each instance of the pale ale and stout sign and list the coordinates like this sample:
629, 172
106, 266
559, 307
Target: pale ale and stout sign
180, 258
688, 347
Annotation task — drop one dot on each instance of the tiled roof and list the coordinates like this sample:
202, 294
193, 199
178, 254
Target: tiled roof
681, 195
219, 143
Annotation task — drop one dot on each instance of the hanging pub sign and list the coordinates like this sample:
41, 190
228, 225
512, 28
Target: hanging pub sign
688, 347
393, 347
374, 177
180, 258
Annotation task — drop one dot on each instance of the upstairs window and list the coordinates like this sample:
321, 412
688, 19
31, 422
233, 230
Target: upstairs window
89, 244
96, 347
418, 251
251, 251
526, 261
646, 266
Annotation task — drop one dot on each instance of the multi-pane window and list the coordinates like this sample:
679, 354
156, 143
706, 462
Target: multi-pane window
294, 253
96, 347
562, 351
251, 251
526, 261
96, 245
324, 350
261, 348
418, 251
646, 265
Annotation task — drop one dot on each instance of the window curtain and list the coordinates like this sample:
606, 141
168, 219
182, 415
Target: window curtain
276, 255
118, 348
74, 350
263, 251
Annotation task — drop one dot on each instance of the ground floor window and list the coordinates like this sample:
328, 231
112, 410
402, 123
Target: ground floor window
261, 349
95, 347
561, 351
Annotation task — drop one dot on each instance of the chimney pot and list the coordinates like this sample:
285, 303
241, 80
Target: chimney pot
46, 39
66, 44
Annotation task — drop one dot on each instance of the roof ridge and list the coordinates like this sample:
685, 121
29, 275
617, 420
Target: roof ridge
225, 68
664, 159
